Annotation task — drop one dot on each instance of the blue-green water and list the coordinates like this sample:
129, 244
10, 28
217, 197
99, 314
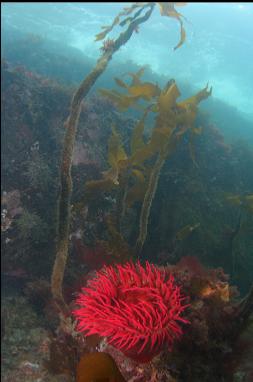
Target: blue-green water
218, 46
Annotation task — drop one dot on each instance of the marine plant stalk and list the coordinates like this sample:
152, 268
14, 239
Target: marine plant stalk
67, 155
150, 193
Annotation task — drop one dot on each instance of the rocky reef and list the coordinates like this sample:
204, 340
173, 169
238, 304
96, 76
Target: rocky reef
168, 190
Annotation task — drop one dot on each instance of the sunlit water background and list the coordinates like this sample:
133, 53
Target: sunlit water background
218, 49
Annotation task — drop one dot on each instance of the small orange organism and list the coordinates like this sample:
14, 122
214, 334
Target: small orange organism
98, 367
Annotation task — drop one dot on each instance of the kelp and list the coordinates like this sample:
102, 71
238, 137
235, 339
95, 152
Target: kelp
147, 201
186, 231
244, 205
130, 18
117, 159
134, 92
166, 9
126, 11
122, 102
116, 246
243, 201
192, 134
116, 154
64, 203
137, 141
138, 171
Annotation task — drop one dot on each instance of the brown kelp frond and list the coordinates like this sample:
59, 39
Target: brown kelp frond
137, 141
249, 202
94, 187
137, 190
145, 90
165, 100
243, 201
186, 231
172, 121
147, 201
121, 101
121, 83
187, 109
63, 216
116, 246
197, 98
117, 159
136, 174
182, 36
168, 98
166, 9
193, 132
116, 152
134, 92
126, 11
136, 76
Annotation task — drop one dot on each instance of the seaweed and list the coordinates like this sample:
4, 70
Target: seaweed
67, 157
139, 170
184, 232
245, 202
134, 92
128, 172
166, 9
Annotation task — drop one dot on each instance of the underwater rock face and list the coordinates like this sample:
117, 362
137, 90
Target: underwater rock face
139, 309
24, 343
